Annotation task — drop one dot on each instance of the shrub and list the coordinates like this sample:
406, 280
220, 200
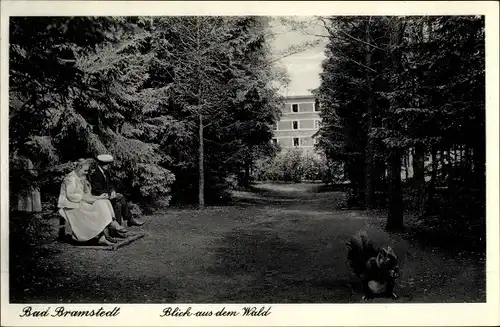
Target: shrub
295, 166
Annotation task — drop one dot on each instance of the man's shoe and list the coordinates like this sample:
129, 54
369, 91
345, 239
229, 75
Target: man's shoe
134, 222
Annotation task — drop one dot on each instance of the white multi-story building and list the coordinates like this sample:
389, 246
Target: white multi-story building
299, 122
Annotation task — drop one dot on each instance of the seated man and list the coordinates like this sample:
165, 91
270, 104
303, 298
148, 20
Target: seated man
100, 183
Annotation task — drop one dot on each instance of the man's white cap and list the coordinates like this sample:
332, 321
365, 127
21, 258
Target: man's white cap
105, 158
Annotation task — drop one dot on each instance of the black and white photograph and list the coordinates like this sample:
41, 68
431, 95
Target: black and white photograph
245, 159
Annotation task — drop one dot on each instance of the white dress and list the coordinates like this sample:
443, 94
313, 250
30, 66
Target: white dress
85, 219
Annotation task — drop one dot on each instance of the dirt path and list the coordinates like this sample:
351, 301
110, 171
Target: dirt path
280, 244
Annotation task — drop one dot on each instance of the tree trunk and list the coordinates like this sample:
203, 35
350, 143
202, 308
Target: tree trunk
479, 159
395, 214
380, 181
451, 175
201, 154
444, 166
406, 162
201, 182
369, 163
246, 181
467, 163
418, 179
429, 206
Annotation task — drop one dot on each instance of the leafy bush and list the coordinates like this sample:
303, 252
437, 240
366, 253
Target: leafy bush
28, 229
332, 172
295, 166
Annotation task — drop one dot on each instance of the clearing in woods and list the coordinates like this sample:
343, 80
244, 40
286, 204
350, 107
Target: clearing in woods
278, 244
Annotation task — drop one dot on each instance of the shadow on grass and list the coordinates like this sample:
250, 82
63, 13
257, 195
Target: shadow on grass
40, 277
55, 286
279, 194
41, 274
288, 195
324, 188
277, 271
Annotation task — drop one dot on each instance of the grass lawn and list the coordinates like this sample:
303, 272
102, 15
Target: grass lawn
280, 244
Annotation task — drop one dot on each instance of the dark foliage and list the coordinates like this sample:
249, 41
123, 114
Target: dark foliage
407, 94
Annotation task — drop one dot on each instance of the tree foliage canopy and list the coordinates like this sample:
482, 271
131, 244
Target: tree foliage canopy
133, 87
397, 85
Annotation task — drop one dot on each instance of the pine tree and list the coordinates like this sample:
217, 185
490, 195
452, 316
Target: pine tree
218, 77
427, 97
87, 92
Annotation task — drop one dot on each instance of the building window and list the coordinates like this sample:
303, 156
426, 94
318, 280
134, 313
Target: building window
316, 105
316, 124
295, 124
295, 107
296, 141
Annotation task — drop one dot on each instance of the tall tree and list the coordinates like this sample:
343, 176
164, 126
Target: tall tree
395, 139
349, 102
219, 77
428, 76
369, 151
191, 54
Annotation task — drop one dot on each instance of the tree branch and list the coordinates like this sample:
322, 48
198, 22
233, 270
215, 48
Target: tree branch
332, 33
354, 61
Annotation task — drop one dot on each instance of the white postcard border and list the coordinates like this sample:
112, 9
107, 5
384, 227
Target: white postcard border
281, 314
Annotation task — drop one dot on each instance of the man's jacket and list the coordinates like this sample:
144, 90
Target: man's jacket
100, 184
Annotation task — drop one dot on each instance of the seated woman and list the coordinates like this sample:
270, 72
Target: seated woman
88, 216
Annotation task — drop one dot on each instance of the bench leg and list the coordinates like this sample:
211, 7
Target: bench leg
62, 229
